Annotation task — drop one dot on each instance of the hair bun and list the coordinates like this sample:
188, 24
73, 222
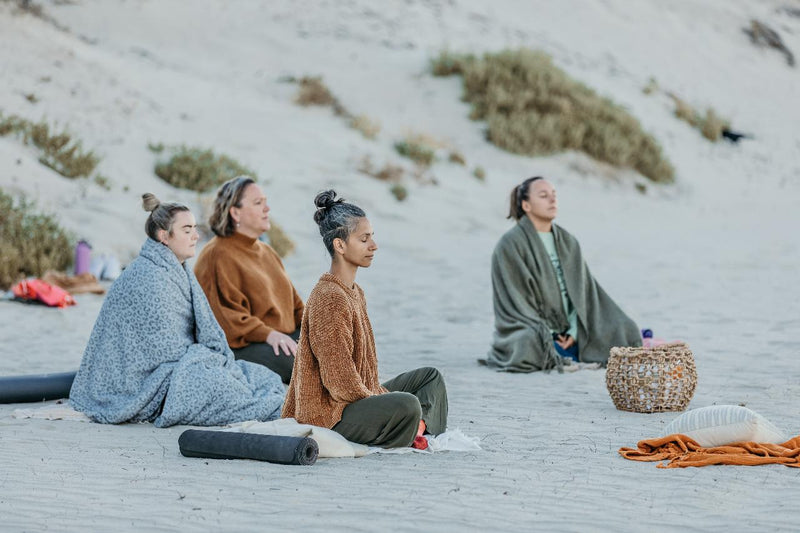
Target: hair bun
324, 201
149, 202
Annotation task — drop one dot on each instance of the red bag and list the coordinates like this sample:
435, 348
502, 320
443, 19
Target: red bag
38, 290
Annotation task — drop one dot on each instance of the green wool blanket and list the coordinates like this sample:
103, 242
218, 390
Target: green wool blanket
527, 304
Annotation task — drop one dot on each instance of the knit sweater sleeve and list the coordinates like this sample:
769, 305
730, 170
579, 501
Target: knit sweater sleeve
330, 334
298, 308
220, 281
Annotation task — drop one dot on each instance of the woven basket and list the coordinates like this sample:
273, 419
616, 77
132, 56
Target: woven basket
651, 380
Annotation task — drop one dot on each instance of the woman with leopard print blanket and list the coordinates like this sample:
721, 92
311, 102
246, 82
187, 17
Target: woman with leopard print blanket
156, 352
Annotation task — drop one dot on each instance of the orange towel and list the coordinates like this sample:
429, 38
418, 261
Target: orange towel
681, 451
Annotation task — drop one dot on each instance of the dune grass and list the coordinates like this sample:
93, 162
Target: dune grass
279, 240
368, 127
534, 108
415, 150
710, 124
58, 149
30, 242
198, 169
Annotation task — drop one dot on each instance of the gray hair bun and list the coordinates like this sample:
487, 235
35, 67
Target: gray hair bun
324, 201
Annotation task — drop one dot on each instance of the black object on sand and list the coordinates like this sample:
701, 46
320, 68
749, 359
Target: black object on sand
734, 136
234, 445
35, 387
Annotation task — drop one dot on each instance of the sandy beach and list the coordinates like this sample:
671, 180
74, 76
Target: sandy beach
711, 260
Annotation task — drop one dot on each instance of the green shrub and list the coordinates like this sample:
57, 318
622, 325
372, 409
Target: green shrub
416, 151
279, 240
102, 181
30, 243
198, 169
57, 150
399, 191
156, 148
532, 107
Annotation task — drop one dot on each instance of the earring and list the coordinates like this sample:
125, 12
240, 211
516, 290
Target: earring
237, 224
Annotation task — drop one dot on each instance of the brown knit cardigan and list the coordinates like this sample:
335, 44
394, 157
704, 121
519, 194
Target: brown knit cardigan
248, 289
336, 363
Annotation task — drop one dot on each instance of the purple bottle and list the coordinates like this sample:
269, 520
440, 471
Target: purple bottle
82, 251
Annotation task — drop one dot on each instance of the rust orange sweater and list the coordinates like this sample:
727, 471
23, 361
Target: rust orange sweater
248, 289
336, 363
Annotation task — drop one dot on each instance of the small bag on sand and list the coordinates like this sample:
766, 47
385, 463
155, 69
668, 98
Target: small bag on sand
653, 379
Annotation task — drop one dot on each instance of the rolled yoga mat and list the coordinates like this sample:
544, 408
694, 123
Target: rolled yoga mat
35, 387
234, 445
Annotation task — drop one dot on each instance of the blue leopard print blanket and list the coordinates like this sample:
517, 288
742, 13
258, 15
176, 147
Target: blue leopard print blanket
157, 342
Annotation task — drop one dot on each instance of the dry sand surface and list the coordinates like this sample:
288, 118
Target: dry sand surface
711, 260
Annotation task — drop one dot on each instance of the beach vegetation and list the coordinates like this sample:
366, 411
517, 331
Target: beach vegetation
199, 169
58, 149
312, 91
368, 127
388, 172
399, 191
416, 150
30, 242
457, 158
709, 124
102, 181
534, 108
279, 240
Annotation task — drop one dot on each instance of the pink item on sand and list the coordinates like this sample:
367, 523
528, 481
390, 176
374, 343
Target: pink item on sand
36, 289
649, 342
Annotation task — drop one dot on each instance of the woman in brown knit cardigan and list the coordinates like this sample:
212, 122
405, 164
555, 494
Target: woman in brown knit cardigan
335, 379
245, 282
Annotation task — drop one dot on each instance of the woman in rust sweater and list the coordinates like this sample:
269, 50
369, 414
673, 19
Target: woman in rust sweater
245, 282
335, 379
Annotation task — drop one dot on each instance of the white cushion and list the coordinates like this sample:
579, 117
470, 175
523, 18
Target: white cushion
718, 425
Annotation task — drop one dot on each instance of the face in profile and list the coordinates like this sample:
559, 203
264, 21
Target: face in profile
182, 240
360, 247
541, 203
253, 215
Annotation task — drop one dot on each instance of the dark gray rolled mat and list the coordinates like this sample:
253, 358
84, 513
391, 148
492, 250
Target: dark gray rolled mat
35, 387
234, 445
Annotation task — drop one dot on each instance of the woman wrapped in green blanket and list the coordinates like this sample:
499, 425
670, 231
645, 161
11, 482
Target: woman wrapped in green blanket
549, 309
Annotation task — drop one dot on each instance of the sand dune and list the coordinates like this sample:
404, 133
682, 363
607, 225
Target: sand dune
711, 260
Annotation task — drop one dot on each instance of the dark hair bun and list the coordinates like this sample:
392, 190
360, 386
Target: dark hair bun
324, 201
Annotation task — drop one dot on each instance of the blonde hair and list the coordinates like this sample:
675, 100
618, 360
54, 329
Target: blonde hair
228, 195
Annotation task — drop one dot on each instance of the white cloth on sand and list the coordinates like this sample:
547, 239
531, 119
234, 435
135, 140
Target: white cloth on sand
330, 443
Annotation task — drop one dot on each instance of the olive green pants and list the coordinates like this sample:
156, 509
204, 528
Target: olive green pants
263, 354
391, 420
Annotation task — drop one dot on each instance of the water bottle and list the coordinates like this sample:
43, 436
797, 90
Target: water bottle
82, 252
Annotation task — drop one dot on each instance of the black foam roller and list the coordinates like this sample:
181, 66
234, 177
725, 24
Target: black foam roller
35, 387
234, 445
